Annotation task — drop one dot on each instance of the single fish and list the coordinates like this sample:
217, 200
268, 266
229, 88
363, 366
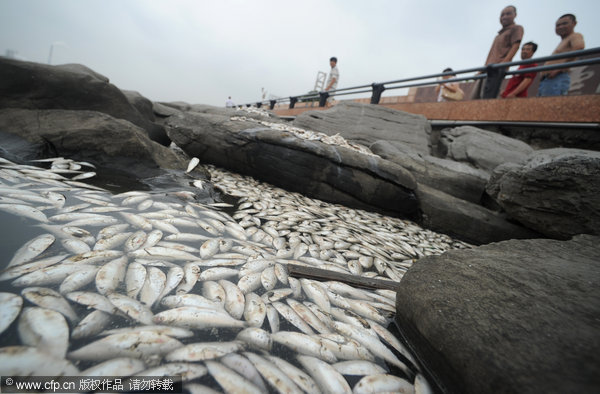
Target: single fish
31, 249
256, 338
275, 376
111, 275
29, 361
202, 351
230, 381
304, 344
244, 367
383, 383
10, 307
197, 318
120, 366
255, 310
132, 308
234, 299
91, 325
135, 345
50, 299
328, 379
44, 329
298, 376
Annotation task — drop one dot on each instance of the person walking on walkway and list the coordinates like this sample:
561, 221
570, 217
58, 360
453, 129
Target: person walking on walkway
557, 82
334, 77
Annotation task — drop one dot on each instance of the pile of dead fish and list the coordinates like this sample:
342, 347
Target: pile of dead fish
154, 284
310, 135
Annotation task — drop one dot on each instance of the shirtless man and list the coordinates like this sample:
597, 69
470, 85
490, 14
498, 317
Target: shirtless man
557, 82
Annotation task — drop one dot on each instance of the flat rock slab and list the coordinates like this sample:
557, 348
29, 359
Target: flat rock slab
366, 124
519, 316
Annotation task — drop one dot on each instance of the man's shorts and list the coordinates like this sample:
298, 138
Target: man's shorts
557, 86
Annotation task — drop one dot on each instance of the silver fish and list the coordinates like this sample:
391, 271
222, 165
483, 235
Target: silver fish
255, 310
201, 351
291, 316
132, 308
28, 361
44, 329
304, 344
358, 367
383, 383
83, 276
174, 332
135, 344
94, 323
187, 371
303, 380
328, 379
92, 300
120, 366
256, 338
50, 299
229, 380
153, 286
234, 299
134, 279
25, 211
276, 378
244, 367
31, 249
10, 307
174, 278
110, 275
197, 318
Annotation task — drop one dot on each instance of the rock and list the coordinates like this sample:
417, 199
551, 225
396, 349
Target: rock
464, 220
482, 149
91, 136
457, 179
163, 111
329, 172
141, 103
518, 316
555, 192
366, 124
73, 87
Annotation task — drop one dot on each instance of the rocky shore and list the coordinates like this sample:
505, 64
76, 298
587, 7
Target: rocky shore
486, 319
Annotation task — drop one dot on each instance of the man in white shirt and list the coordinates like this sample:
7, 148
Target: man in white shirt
334, 77
229, 103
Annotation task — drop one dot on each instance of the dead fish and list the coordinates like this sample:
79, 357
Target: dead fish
28, 361
187, 371
50, 299
192, 164
276, 378
25, 211
136, 345
273, 318
308, 316
328, 379
174, 332
111, 275
92, 300
135, 241
383, 383
304, 344
234, 299
174, 278
83, 276
298, 376
358, 367
316, 294
230, 381
31, 249
153, 286
214, 292
44, 329
10, 307
131, 308
176, 301
94, 323
197, 318
256, 338
53, 274
134, 279
291, 316
202, 351
255, 310
245, 368
120, 366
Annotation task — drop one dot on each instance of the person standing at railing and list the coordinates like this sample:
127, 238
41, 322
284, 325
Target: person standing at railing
519, 83
557, 82
334, 77
505, 45
449, 91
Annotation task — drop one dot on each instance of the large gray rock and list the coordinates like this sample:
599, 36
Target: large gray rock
457, 179
141, 103
366, 124
91, 136
480, 148
555, 192
465, 220
38, 86
518, 316
328, 172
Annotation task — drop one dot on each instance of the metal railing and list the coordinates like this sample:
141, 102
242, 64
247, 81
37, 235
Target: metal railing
493, 74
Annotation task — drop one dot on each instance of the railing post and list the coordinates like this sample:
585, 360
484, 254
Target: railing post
272, 104
293, 101
258, 105
378, 88
323, 98
493, 80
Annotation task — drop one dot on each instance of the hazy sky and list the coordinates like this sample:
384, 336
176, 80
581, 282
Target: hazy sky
203, 51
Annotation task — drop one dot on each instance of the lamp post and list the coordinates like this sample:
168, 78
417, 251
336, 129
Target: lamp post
55, 43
